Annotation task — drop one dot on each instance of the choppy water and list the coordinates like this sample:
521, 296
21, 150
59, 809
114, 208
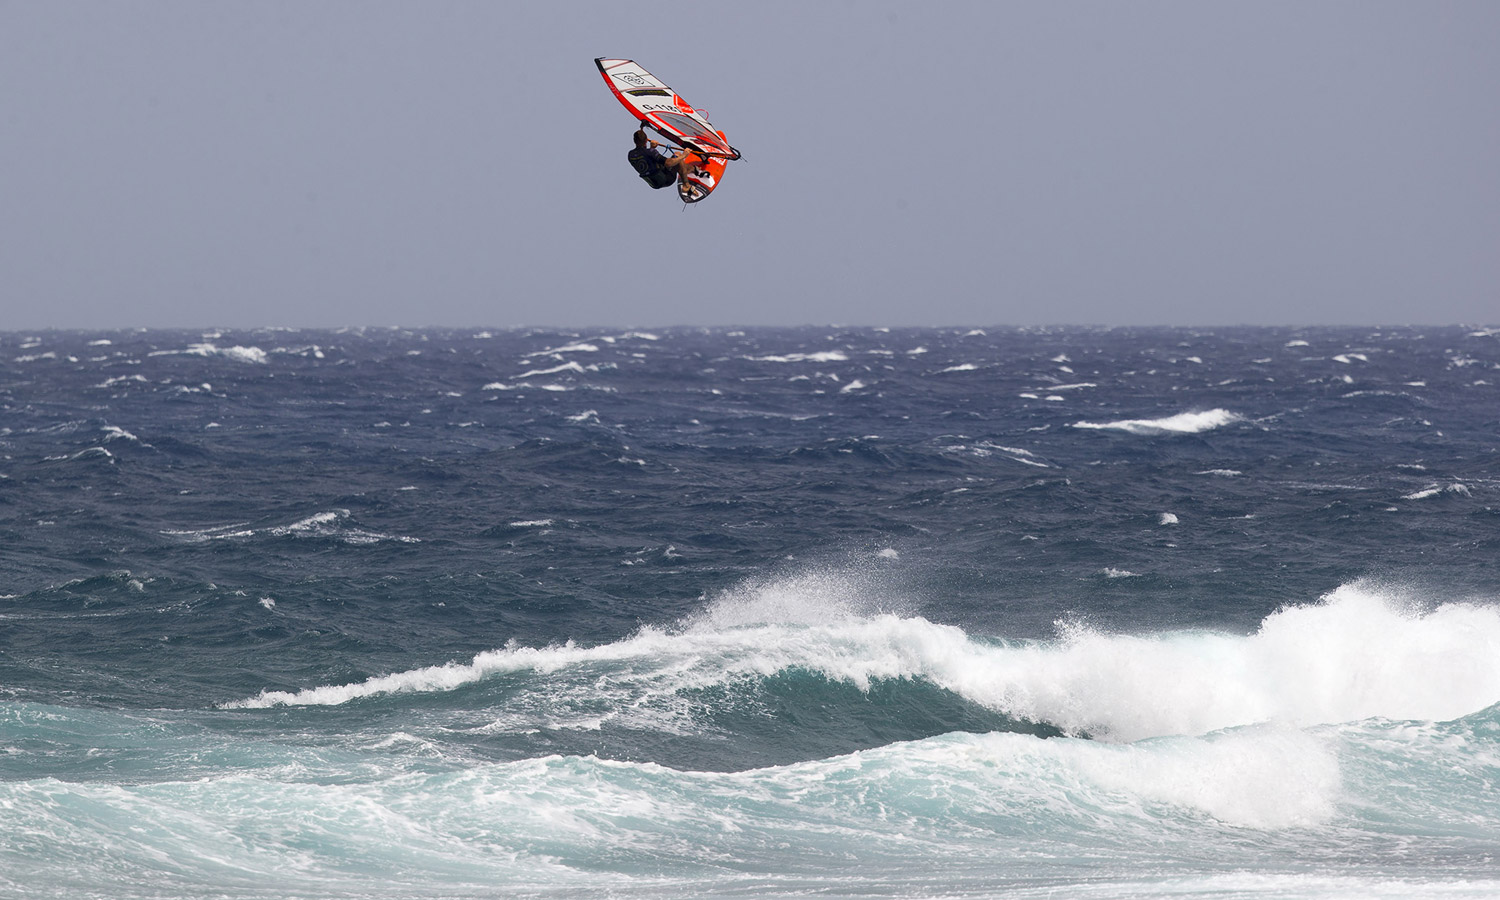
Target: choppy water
847, 613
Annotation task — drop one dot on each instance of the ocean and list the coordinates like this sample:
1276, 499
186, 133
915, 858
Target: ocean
689, 613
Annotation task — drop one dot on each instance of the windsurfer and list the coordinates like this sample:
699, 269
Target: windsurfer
655, 169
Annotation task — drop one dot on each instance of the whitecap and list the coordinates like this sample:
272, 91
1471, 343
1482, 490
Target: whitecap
252, 355
113, 433
1182, 423
1435, 490
83, 454
820, 356
986, 448
579, 347
324, 524
565, 367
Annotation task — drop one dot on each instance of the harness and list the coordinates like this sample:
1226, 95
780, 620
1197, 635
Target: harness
651, 167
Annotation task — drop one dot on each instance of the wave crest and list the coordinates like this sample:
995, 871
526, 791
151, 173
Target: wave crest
1361, 652
1182, 423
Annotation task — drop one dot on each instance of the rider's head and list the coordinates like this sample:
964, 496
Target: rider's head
640, 138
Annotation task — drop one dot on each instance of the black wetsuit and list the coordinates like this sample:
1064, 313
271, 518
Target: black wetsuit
651, 167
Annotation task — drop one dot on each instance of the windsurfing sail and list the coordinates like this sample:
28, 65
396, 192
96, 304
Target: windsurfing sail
650, 101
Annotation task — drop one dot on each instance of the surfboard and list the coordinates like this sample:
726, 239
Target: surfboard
664, 111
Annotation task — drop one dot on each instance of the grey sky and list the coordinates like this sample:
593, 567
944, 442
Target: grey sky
440, 163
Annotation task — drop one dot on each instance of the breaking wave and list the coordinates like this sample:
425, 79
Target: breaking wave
1182, 423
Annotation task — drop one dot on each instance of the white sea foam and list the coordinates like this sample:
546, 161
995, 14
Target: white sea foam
312, 350
565, 367
114, 433
1167, 519
986, 449
84, 454
1182, 423
252, 355
1362, 652
1438, 490
579, 347
820, 356
1256, 778
218, 532
332, 524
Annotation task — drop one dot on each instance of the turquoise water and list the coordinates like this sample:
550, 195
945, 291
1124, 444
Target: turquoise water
848, 613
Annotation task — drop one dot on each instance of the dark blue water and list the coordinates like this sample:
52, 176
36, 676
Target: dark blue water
854, 612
